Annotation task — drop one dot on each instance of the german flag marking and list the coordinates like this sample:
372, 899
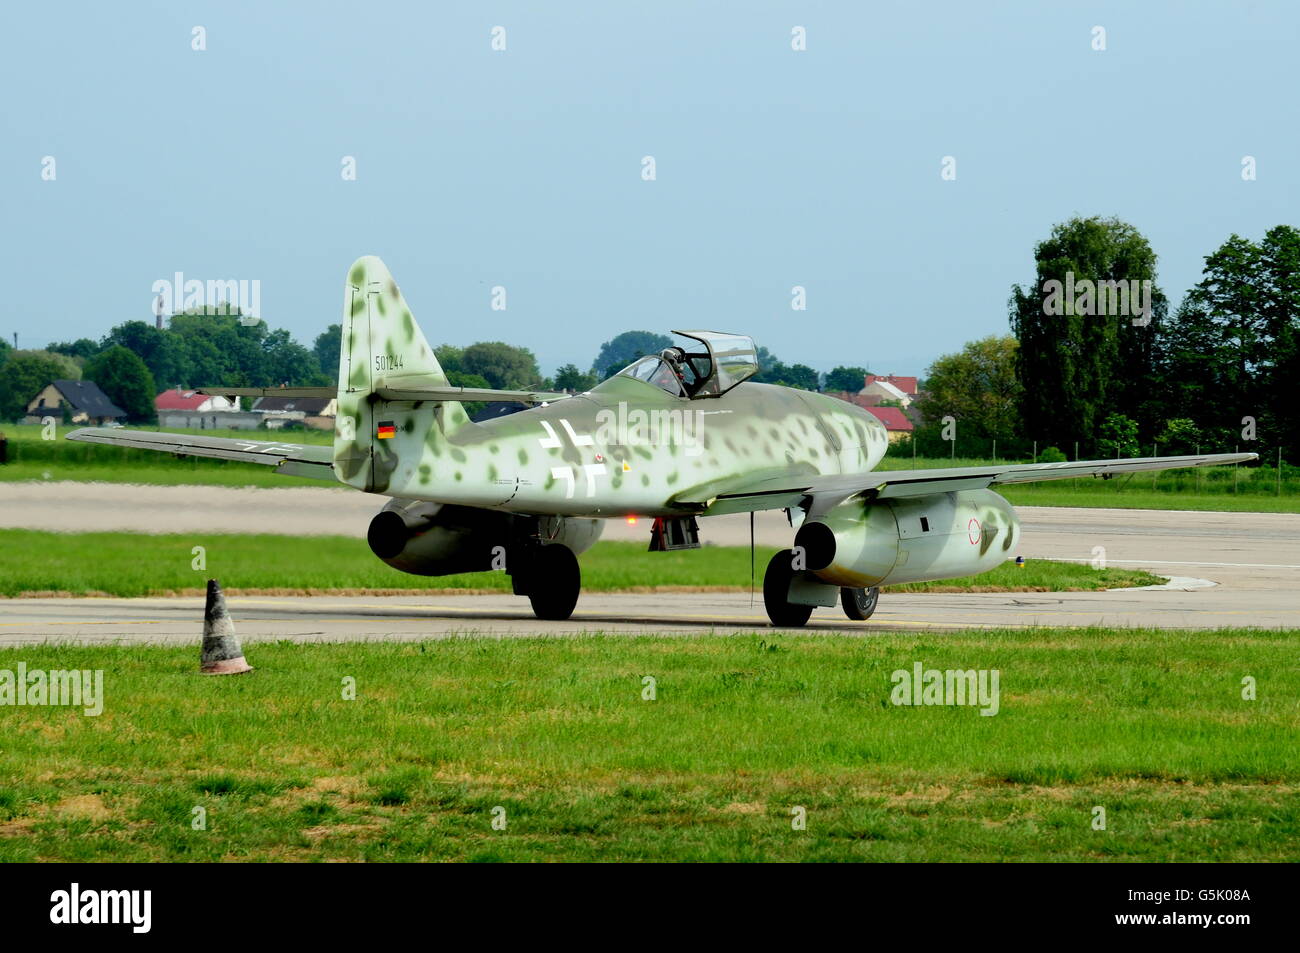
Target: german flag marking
386, 430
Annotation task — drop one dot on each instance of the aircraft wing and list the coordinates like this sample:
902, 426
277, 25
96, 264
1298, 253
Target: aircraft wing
421, 393
781, 492
292, 459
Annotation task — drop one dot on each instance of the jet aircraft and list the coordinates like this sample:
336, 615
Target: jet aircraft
676, 436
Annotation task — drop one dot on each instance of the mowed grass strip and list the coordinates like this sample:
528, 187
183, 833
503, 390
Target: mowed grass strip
130, 564
742, 731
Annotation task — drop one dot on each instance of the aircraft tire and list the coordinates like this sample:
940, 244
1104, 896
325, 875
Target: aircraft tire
859, 604
776, 591
554, 582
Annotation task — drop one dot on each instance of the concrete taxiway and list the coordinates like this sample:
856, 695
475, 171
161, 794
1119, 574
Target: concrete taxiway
1228, 569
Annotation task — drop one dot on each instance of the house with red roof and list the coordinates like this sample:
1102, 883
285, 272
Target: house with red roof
191, 410
895, 421
188, 400
891, 387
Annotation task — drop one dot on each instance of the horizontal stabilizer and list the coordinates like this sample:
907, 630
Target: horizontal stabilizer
268, 391
388, 393
290, 458
468, 393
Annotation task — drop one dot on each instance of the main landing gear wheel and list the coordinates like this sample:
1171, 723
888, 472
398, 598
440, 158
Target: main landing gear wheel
859, 603
554, 581
776, 592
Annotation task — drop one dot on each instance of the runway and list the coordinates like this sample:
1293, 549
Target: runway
1253, 559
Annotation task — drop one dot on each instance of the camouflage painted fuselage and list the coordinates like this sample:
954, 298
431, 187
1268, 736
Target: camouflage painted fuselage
625, 447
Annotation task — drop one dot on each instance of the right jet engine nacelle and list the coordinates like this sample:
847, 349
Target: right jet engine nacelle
859, 544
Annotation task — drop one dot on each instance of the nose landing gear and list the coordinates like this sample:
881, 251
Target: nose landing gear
859, 604
783, 584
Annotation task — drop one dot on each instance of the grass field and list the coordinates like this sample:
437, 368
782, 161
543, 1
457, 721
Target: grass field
125, 564
443, 736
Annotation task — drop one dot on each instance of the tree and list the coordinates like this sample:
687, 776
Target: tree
327, 346
83, 348
800, 376
1118, 436
851, 379
772, 370
26, 373
503, 365
289, 362
162, 351
1230, 350
978, 387
1079, 357
1179, 436
126, 381
222, 350
620, 351
569, 378
449, 357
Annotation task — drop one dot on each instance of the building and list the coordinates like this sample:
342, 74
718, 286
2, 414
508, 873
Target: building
315, 412
190, 410
892, 387
84, 401
895, 421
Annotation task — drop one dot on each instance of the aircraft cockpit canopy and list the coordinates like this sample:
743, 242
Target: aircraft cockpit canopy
710, 367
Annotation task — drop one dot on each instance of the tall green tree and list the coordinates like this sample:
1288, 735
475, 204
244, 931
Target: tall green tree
621, 350
799, 376
502, 365
326, 347
288, 362
569, 378
1229, 351
978, 386
450, 359
1076, 362
851, 379
162, 352
126, 381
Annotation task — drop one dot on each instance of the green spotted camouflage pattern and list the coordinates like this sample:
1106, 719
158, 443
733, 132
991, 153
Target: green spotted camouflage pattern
569, 457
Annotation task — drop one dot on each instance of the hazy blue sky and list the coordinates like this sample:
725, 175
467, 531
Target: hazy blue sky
522, 168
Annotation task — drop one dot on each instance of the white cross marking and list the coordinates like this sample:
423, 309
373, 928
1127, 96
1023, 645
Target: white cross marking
565, 473
550, 441
579, 440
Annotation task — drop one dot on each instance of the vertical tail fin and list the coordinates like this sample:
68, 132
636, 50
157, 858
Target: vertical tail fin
383, 347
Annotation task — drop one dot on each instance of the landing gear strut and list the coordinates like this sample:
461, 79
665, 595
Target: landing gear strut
859, 604
776, 592
551, 580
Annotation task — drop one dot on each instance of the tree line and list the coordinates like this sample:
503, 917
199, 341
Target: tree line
1120, 374
136, 360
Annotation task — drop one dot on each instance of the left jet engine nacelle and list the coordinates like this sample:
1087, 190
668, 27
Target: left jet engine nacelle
438, 539
859, 544
432, 539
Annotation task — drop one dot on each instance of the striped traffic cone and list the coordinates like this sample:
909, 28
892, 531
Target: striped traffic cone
221, 652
